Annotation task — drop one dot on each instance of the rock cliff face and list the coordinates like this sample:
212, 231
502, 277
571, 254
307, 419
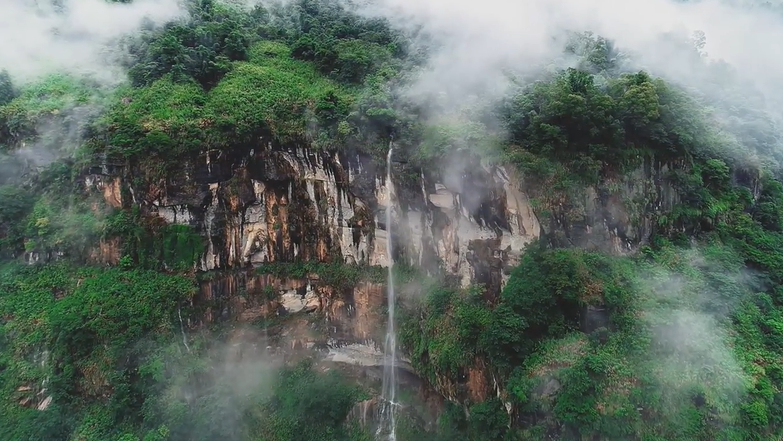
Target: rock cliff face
614, 216
271, 205
266, 205
350, 315
276, 205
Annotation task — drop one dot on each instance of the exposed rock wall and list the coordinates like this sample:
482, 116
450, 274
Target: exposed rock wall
349, 315
270, 204
615, 216
475, 231
273, 205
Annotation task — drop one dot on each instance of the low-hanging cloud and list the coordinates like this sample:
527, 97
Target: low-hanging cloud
688, 313
75, 36
479, 39
82, 38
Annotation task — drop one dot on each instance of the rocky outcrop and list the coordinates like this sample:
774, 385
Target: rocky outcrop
281, 205
351, 314
474, 229
35, 395
615, 215
271, 204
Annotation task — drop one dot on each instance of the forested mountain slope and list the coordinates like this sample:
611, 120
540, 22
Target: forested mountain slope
198, 253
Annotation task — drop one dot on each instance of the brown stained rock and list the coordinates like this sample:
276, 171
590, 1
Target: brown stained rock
106, 252
357, 311
478, 385
488, 262
112, 194
353, 315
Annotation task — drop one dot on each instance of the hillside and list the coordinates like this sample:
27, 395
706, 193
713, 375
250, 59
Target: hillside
198, 250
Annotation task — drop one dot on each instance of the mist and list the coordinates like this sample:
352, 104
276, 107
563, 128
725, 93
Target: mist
687, 313
721, 52
77, 40
478, 40
78, 37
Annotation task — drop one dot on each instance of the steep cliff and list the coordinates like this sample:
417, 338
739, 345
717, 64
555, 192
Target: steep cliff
271, 219
270, 210
273, 205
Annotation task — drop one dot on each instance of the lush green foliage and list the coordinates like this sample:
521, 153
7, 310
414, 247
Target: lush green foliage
676, 343
228, 76
201, 49
22, 114
7, 92
16, 203
154, 245
685, 348
338, 275
116, 369
78, 333
682, 341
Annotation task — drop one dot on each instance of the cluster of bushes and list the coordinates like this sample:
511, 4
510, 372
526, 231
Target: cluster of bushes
228, 76
105, 344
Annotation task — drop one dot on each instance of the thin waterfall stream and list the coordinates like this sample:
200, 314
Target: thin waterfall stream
182, 328
387, 430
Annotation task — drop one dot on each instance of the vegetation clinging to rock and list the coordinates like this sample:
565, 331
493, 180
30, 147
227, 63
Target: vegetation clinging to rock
679, 342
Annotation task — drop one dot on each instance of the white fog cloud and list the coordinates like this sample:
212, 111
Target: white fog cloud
79, 37
479, 37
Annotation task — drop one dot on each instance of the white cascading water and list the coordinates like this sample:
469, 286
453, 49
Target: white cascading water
387, 430
182, 329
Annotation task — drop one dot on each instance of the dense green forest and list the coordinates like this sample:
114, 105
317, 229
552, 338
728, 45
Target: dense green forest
691, 347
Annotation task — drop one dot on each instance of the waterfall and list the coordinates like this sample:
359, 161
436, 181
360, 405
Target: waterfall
182, 328
267, 313
387, 430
